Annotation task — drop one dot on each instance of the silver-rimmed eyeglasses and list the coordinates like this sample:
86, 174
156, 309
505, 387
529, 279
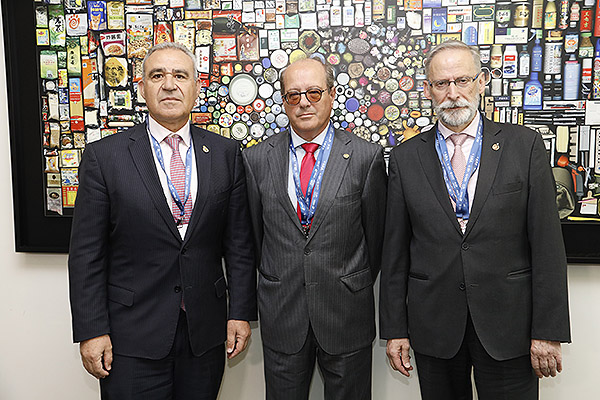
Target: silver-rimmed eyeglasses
461, 82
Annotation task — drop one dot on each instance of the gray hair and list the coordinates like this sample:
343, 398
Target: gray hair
329, 74
452, 45
172, 46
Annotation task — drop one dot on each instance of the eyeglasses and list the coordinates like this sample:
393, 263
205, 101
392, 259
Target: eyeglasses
462, 82
312, 95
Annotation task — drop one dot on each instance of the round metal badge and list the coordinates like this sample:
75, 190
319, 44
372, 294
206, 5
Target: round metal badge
239, 130
279, 59
242, 89
265, 90
282, 120
343, 78
352, 105
258, 105
297, 55
399, 97
270, 75
392, 113
257, 131
225, 120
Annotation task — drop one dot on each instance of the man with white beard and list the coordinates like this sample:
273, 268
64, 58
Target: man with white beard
473, 273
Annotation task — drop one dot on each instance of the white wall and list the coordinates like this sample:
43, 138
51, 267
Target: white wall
38, 360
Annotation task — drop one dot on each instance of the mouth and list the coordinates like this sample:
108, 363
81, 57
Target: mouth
305, 115
453, 108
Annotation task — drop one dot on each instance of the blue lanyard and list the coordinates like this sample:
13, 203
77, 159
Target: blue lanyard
458, 193
308, 201
188, 175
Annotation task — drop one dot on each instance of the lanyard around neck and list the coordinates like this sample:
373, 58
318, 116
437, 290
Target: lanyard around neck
458, 192
188, 174
308, 201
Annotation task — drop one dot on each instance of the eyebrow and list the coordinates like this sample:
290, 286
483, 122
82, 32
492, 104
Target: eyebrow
164, 70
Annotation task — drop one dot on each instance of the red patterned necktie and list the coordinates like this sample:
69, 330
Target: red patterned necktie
459, 165
177, 176
308, 163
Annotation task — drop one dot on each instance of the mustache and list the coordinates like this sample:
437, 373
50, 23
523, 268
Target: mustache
454, 104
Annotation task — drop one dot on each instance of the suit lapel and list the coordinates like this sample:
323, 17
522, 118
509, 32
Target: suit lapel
338, 161
278, 158
143, 158
430, 163
491, 150
202, 154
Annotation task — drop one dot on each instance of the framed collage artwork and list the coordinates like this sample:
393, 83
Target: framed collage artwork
73, 68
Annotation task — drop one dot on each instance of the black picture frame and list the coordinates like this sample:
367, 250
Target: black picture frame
36, 232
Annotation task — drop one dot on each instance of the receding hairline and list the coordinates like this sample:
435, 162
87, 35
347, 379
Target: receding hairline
327, 72
452, 45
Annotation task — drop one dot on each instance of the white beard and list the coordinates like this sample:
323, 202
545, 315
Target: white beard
459, 117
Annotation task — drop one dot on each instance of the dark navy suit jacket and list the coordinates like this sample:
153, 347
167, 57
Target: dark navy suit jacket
128, 265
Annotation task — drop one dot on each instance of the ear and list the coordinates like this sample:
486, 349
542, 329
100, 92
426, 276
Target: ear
427, 89
481, 81
198, 86
141, 88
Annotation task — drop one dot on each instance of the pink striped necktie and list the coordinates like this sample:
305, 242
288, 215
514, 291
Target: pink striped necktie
459, 165
177, 176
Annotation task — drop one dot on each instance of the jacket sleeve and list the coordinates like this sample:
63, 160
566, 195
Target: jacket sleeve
373, 209
393, 320
550, 314
88, 252
239, 250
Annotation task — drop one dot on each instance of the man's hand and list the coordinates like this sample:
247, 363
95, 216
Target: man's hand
546, 357
238, 333
397, 352
97, 356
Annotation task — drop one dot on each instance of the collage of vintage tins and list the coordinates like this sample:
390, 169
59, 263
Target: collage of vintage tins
539, 56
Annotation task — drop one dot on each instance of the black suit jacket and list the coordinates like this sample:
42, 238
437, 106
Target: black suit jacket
509, 268
129, 267
325, 279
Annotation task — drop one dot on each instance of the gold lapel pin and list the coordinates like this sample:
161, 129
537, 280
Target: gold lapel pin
346, 156
496, 146
205, 149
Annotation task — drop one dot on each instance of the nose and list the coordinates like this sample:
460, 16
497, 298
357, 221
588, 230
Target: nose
452, 91
169, 82
304, 101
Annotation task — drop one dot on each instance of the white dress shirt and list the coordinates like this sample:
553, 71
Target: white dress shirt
471, 132
297, 141
159, 133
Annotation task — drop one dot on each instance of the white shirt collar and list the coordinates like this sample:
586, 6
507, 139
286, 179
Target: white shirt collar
297, 141
159, 132
470, 130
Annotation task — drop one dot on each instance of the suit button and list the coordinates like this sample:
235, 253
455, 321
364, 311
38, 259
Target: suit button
177, 289
307, 252
461, 286
465, 246
183, 251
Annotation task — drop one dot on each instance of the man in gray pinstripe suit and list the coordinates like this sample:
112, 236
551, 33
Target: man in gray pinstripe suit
318, 238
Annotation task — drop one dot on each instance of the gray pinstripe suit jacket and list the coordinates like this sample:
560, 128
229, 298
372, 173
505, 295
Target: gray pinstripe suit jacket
325, 279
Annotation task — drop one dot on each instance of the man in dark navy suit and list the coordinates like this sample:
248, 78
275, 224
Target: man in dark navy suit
158, 208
